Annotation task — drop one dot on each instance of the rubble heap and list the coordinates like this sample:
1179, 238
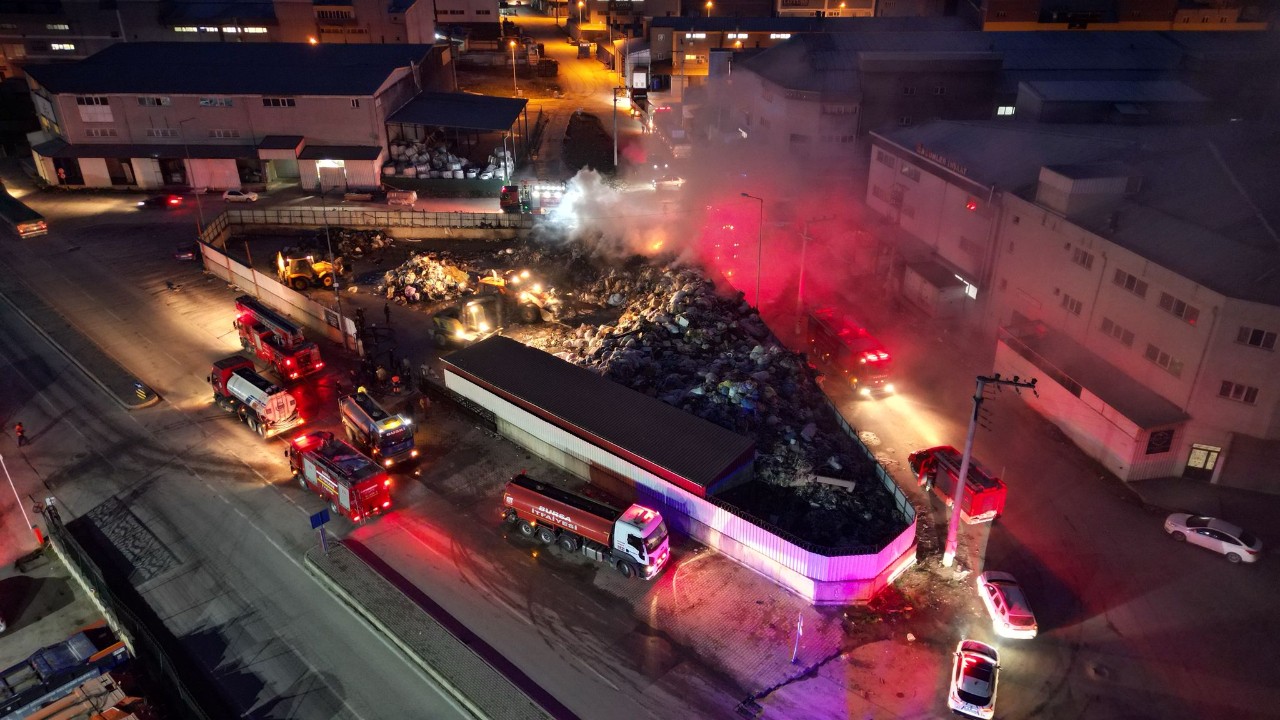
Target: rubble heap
425, 277
349, 242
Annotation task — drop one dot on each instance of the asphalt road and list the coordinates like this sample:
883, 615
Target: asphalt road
213, 527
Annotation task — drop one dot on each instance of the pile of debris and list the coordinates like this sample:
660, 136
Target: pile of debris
349, 242
681, 341
425, 277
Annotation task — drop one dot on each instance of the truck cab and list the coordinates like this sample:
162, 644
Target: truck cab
641, 534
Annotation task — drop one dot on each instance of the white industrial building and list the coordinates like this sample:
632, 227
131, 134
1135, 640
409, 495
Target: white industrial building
1135, 271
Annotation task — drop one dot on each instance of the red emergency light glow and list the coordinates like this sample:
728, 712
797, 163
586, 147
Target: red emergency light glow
386, 503
971, 205
174, 200
387, 482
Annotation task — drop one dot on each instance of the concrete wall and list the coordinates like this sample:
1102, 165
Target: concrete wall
818, 578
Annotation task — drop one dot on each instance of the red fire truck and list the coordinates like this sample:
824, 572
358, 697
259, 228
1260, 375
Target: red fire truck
844, 346
937, 468
354, 485
275, 340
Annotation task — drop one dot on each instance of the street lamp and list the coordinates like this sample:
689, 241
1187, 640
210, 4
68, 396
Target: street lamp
759, 244
337, 293
186, 149
615, 125
581, 4
709, 5
513, 66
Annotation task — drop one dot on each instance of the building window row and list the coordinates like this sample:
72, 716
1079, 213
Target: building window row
278, 102
153, 101
216, 102
911, 173
886, 159
1130, 283
1257, 338
162, 133
1164, 360
57, 26
1082, 257
1072, 305
1125, 337
224, 133
1240, 393
101, 132
1004, 110
62, 47
1179, 309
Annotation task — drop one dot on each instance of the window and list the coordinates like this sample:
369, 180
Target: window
1257, 338
1130, 283
94, 108
1179, 309
484, 12
878, 193
939, 90
224, 133
779, 36
695, 36
1239, 393
737, 36
909, 90
1160, 441
1004, 110
277, 102
255, 30
57, 26
355, 102
904, 121
153, 101
1125, 337
186, 29
1072, 305
885, 158
62, 47
1082, 257
1161, 358
215, 102
911, 173
101, 132
830, 109
162, 132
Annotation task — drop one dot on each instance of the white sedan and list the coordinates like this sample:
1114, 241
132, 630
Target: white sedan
1238, 544
1007, 604
973, 680
240, 196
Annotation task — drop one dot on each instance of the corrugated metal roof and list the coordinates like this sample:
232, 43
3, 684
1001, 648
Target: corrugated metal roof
671, 443
1115, 91
461, 110
340, 152
252, 68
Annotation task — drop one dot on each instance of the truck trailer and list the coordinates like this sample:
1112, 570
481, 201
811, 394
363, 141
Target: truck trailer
355, 486
265, 407
387, 438
936, 470
633, 541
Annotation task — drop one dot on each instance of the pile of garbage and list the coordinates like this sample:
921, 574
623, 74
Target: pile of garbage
425, 277
681, 341
433, 159
349, 242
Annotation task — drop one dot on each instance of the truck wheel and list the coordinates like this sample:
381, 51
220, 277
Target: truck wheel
568, 543
253, 424
509, 517
529, 314
526, 528
326, 281
299, 283
301, 480
546, 535
626, 569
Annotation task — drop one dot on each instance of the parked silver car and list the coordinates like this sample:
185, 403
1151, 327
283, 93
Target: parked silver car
1238, 544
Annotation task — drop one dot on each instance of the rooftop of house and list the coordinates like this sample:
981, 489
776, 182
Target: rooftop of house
230, 69
1207, 208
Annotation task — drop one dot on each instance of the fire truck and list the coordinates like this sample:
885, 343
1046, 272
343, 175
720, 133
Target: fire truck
262, 405
386, 437
844, 346
355, 486
633, 541
532, 197
937, 468
275, 340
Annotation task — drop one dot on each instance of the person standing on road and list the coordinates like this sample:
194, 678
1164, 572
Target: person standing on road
21, 434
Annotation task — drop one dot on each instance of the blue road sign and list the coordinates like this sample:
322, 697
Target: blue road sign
319, 518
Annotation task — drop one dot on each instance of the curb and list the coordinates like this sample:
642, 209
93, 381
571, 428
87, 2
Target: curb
141, 396
378, 625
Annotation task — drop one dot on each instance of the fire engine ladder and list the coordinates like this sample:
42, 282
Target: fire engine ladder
288, 333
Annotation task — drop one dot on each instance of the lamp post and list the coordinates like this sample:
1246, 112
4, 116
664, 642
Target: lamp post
759, 244
514, 84
709, 6
581, 4
186, 149
615, 126
337, 294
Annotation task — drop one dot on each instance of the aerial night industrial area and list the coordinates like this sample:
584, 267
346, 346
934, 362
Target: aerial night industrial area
577, 359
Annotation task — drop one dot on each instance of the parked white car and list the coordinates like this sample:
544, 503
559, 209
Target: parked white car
1238, 544
1007, 605
240, 196
973, 680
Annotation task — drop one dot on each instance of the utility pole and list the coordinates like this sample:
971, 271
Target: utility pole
957, 500
615, 129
